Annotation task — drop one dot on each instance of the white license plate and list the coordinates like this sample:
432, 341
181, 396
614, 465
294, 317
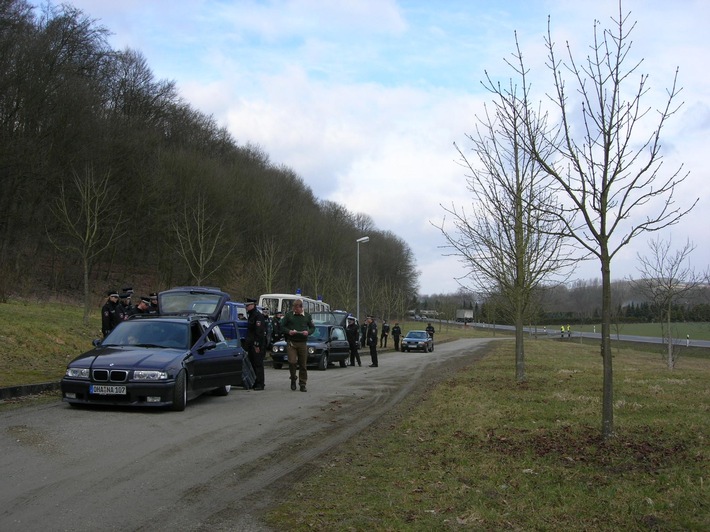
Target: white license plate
97, 389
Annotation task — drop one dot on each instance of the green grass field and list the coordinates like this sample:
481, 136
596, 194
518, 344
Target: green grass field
481, 452
697, 331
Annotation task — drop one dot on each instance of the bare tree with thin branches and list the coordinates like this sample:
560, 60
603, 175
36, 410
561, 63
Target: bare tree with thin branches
666, 277
605, 156
509, 242
90, 221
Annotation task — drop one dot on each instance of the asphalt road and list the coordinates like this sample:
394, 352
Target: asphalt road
215, 466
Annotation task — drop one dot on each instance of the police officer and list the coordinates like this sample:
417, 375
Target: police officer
385, 333
126, 302
430, 331
269, 324
256, 341
371, 339
112, 313
353, 333
143, 307
276, 332
153, 303
396, 333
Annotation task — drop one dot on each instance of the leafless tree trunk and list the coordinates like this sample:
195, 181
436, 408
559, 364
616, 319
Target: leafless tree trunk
268, 260
604, 159
90, 221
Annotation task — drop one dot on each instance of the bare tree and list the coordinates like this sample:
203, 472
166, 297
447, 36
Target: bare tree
268, 259
665, 278
606, 158
200, 241
90, 221
509, 243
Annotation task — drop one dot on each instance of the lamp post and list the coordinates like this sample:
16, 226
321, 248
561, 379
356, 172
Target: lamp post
359, 241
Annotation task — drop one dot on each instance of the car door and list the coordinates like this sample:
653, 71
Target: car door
339, 348
216, 361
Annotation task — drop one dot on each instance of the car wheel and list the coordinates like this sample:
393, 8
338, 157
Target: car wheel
277, 365
222, 390
323, 362
180, 392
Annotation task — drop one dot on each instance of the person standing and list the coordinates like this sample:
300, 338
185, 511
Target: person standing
276, 333
296, 326
569, 332
269, 324
396, 333
371, 339
112, 313
385, 333
430, 331
363, 333
353, 333
256, 341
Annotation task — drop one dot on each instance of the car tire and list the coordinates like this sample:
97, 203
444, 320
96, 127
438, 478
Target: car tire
323, 362
277, 365
179, 392
222, 390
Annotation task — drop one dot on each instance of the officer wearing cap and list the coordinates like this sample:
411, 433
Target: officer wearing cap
143, 307
112, 313
269, 329
276, 332
256, 341
353, 333
153, 303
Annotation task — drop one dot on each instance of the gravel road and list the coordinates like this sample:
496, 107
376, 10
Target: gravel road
215, 466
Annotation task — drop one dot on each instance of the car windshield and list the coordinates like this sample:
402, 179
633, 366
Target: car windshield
321, 333
336, 317
189, 302
417, 335
149, 333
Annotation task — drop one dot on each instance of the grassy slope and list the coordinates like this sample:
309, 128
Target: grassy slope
480, 452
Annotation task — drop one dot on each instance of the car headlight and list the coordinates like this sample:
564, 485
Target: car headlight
149, 375
77, 373
311, 350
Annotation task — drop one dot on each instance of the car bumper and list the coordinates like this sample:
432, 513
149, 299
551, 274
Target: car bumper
157, 394
415, 347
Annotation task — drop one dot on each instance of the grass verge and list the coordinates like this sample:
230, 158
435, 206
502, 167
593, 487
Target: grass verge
481, 452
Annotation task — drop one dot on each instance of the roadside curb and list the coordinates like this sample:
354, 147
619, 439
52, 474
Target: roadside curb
9, 392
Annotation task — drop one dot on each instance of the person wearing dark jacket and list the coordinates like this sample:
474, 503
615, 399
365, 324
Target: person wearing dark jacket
372, 340
396, 333
430, 331
296, 326
256, 342
353, 333
112, 313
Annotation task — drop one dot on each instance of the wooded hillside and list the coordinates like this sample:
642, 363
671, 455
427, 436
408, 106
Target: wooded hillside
106, 170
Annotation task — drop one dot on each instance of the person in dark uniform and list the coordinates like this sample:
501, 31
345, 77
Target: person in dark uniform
396, 333
153, 303
363, 333
142, 308
126, 303
353, 333
371, 339
269, 324
256, 341
112, 313
430, 331
384, 334
276, 333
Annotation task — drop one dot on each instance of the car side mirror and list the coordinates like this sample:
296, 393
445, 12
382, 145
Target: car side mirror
206, 346
97, 342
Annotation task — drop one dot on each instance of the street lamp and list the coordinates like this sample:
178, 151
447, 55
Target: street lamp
359, 241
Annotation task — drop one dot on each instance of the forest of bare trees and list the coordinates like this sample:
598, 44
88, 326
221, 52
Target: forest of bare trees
90, 141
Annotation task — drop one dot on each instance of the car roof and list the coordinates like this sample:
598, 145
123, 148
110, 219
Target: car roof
192, 300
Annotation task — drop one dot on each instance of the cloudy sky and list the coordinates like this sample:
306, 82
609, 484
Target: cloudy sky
364, 99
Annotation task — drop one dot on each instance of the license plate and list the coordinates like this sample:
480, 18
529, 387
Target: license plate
97, 389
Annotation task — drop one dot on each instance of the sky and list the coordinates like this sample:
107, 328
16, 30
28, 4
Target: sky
364, 99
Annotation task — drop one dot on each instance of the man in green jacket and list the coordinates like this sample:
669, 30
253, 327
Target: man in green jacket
296, 326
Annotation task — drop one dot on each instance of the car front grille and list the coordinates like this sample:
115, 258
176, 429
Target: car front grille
114, 375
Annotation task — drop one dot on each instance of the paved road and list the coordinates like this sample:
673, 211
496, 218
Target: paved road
212, 467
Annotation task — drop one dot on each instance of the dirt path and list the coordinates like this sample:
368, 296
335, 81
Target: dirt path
216, 466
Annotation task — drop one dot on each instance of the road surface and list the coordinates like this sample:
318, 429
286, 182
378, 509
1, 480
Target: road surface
213, 467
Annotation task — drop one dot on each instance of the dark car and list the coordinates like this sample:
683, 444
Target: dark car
327, 345
417, 341
162, 360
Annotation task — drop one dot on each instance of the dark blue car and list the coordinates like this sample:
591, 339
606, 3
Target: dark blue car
162, 360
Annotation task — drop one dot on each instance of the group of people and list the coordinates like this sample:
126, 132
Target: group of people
295, 327
120, 307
